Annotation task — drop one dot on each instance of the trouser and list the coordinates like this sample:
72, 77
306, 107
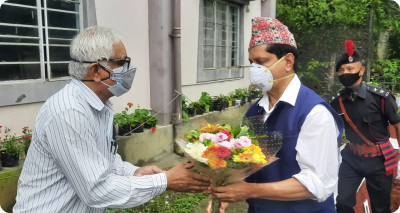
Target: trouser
351, 172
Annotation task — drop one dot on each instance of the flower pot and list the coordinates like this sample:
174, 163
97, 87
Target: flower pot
246, 99
125, 129
147, 126
8, 160
217, 107
192, 112
237, 102
200, 111
229, 103
137, 128
212, 107
226, 104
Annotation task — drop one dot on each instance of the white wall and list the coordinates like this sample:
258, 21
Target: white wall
130, 19
190, 31
18, 116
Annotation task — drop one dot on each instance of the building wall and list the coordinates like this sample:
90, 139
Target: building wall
130, 19
190, 31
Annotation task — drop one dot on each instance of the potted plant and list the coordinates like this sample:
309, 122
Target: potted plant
217, 103
26, 139
192, 109
200, 107
224, 101
138, 118
207, 101
184, 105
253, 91
231, 97
122, 120
238, 96
246, 95
11, 148
151, 121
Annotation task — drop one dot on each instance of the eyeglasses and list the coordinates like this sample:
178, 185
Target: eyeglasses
125, 62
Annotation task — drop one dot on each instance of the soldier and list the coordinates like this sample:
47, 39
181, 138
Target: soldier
366, 110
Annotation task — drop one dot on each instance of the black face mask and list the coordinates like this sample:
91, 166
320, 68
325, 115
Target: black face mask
349, 79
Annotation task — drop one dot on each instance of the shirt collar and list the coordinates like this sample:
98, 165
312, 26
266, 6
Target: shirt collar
289, 95
360, 90
91, 98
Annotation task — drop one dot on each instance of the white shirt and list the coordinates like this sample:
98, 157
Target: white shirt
316, 146
71, 165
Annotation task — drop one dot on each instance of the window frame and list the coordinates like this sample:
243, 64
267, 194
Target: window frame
225, 73
39, 90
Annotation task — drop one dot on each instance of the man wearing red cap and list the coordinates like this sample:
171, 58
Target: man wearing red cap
366, 110
305, 176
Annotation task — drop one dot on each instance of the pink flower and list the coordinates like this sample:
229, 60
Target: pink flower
236, 143
246, 142
213, 138
227, 134
223, 152
226, 144
221, 137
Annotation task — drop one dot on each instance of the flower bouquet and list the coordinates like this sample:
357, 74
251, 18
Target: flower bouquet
228, 153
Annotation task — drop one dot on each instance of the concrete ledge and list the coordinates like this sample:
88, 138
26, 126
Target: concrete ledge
143, 148
8, 186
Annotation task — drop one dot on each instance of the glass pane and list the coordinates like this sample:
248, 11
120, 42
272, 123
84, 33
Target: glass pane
233, 16
208, 56
223, 57
59, 54
14, 53
19, 31
221, 13
18, 15
59, 70
19, 72
62, 5
19, 40
24, 2
218, 57
62, 20
68, 34
234, 57
221, 35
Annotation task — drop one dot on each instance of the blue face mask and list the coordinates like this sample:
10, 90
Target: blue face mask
123, 75
123, 78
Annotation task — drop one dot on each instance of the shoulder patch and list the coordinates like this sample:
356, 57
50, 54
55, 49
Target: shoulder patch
379, 91
337, 95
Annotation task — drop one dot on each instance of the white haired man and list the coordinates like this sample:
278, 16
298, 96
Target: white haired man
72, 165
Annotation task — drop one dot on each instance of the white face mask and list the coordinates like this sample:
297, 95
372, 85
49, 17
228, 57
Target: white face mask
262, 77
124, 78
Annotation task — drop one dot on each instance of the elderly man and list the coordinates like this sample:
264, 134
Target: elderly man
304, 177
72, 165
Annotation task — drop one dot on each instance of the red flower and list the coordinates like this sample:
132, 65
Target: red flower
228, 134
153, 129
1, 126
130, 104
223, 152
27, 137
19, 140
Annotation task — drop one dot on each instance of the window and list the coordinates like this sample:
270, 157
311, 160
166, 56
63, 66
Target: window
221, 29
34, 38
220, 32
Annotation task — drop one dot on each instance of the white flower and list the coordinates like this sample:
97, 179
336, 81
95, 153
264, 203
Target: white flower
195, 150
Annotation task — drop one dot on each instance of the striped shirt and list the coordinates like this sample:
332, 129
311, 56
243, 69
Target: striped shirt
71, 164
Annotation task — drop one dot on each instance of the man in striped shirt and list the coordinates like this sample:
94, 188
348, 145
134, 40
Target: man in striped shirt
72, 165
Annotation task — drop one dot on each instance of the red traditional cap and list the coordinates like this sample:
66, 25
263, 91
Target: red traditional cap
270, 31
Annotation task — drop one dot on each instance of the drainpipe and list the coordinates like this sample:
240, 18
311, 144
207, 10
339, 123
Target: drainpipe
176, 36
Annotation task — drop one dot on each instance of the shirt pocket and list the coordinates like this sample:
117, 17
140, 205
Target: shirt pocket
374, 122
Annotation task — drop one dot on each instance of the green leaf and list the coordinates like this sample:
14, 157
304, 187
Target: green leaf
243, 131
185, 116
398, 111
207, 142
236, 131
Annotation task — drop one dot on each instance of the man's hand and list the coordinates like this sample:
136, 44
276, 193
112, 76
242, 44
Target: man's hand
233, 193
147, 170
181, 180
222, 209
